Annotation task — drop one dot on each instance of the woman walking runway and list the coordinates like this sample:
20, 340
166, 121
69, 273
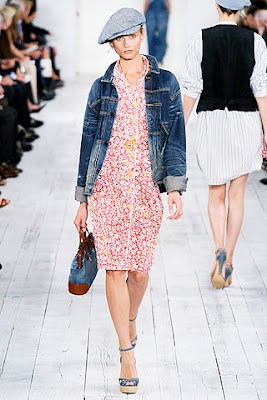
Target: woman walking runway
226, 66
133, 147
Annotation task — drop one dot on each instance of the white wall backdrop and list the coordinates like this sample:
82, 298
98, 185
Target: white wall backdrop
76, 25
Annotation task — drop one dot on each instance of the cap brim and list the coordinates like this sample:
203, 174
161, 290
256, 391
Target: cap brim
225, 4
129, 31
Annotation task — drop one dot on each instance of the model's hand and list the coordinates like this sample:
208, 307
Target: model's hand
174, 198
81, 217
264, 152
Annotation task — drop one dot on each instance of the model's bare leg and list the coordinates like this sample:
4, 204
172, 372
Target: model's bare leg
119, 305
137, 283
236, 195
217, 215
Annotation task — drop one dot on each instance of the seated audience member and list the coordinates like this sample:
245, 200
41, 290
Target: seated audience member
261, 18
39, 35
22, 83
248, 20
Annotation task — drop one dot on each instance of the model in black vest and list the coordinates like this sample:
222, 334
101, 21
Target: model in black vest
226, 67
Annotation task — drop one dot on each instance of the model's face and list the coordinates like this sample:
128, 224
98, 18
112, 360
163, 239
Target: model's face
127, 47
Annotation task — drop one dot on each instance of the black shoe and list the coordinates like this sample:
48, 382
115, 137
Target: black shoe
34, 123
47, 95
39, 109
26, 146
264, 181
21, 132
34, 134
16, 159
31, 136
56, 84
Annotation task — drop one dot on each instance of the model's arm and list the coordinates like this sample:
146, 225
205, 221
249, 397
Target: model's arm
146, 6
90, 126
175, 154
189, 103
262, 104
192, 75
258, 83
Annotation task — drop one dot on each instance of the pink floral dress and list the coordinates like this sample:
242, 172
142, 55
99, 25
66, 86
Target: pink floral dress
126, 208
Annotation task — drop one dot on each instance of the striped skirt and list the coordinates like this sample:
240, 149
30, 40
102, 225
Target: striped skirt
229, 144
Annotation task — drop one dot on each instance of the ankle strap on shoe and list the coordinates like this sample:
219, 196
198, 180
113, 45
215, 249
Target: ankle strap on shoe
130, 348
131, 320
229, 266
219, 251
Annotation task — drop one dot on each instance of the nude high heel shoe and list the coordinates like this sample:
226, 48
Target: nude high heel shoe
228, 274
124, 387
217, 279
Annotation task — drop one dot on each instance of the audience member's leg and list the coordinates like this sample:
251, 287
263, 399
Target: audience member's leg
8, 124
161, 39
151, 30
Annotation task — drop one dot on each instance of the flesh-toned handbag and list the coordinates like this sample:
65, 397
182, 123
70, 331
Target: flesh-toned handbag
84, 266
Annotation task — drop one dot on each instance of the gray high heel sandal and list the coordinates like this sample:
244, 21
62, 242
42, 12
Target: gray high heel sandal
124, 387
134, 340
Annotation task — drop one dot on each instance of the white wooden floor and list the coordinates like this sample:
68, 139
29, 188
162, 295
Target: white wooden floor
194, 342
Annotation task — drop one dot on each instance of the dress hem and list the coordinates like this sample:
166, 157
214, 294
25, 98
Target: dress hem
225, 181
131, 270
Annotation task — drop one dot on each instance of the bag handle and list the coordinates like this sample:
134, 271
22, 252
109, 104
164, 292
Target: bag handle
84, 241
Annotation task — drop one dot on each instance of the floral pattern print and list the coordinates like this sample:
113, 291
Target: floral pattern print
126, 208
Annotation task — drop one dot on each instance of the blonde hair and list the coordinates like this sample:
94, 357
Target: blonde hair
8, 12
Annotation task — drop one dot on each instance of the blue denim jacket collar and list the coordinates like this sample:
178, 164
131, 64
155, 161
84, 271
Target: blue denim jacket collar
154, 69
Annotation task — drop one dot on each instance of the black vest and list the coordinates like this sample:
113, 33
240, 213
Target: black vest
227, 65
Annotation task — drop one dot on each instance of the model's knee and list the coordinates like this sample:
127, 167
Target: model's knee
217, 197
235, 197
116, 275
138, 278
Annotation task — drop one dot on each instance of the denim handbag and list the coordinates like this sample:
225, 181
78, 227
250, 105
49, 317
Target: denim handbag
84, 266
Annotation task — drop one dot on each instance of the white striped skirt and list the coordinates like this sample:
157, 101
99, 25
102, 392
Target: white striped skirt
229, 144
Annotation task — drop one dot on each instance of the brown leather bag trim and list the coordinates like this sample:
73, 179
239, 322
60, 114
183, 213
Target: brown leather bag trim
83, 244
79, 290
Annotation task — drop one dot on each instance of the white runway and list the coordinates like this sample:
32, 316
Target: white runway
195, 343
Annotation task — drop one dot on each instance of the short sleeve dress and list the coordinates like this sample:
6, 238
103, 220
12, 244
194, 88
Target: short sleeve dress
229, 143
126, 207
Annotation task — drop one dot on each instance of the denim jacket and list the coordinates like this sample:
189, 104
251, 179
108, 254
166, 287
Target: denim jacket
166, 130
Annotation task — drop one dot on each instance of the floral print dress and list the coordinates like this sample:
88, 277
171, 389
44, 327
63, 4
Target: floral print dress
126, 208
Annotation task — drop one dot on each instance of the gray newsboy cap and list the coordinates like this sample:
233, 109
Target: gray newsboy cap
234, 5
124, 22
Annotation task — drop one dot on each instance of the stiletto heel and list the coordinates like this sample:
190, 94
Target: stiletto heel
134, 340
228, 274
217, 279
124, 387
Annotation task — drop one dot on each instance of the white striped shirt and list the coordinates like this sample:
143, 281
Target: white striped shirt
229, 143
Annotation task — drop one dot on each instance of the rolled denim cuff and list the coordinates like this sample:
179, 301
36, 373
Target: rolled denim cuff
79, 194
178, 183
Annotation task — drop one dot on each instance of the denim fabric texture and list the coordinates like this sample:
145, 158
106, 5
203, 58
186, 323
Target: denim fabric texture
157, 18
88, 272
166, 130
